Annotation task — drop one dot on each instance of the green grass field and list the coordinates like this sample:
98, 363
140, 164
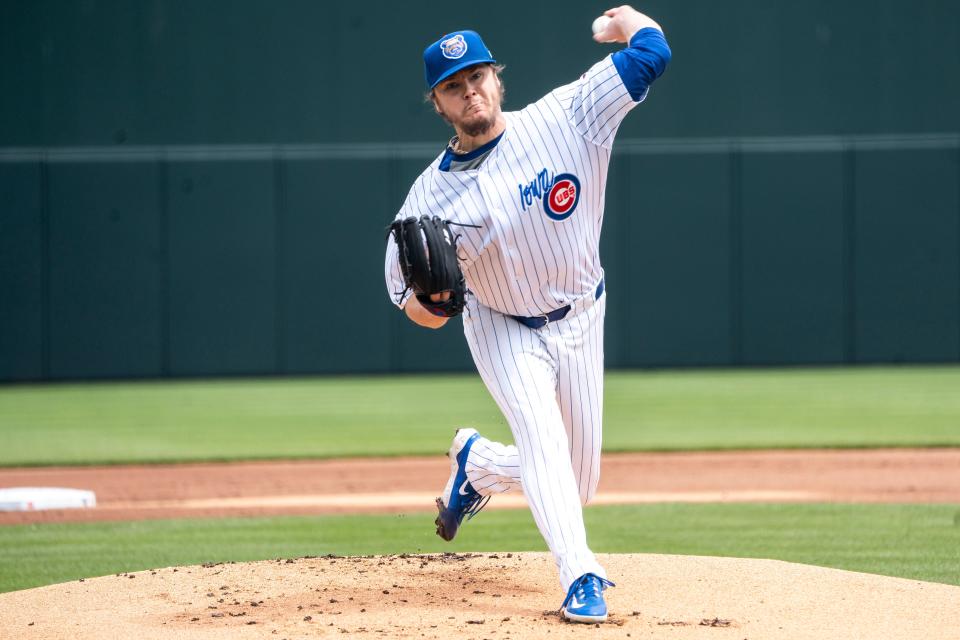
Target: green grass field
352, 416
911, 541
326, 417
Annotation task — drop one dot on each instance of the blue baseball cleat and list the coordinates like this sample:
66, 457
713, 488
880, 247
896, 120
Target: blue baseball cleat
584, 601
459, 498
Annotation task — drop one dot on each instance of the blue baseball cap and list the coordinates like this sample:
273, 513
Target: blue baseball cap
453, 52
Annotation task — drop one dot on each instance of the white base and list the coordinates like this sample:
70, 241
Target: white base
40, 498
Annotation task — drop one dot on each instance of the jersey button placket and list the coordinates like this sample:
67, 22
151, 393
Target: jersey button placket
504, 228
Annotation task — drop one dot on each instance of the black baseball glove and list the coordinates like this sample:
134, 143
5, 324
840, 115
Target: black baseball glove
428, 259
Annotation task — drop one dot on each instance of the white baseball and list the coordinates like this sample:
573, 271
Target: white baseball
600, 24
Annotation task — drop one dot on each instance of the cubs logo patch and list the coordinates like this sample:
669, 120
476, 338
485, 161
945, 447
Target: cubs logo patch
562, 197
453, 48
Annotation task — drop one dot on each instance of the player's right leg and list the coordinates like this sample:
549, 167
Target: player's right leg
493, 467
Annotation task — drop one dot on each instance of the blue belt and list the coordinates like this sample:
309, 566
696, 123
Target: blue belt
538, 322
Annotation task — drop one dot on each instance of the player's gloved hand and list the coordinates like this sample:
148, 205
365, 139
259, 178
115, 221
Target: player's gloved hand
427, 250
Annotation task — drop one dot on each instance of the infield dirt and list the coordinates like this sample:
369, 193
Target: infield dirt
476, 596
395, 485
493, 596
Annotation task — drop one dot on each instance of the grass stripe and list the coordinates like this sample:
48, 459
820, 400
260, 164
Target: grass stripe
911, 541
172, 421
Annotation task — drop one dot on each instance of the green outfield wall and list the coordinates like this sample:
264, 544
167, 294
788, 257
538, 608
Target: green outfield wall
196, 189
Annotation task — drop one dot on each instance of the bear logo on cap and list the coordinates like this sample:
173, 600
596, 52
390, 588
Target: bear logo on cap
454, 48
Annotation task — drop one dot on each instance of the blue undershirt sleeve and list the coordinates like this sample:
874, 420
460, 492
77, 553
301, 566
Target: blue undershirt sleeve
643, 61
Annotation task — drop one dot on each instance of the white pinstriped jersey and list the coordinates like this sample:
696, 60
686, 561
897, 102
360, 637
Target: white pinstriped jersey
537, 200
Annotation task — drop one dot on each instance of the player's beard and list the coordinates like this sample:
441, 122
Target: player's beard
476, 128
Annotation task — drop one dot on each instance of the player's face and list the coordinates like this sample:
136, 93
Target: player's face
470, 99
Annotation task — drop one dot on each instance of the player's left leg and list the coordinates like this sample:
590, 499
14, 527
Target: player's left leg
519, 373
577, 346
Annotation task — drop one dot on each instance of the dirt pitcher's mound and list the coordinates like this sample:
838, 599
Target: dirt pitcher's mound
483, 596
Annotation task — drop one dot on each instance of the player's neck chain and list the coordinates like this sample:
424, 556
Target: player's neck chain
455, 146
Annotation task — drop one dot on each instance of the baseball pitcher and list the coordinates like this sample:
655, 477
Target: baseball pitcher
504, 227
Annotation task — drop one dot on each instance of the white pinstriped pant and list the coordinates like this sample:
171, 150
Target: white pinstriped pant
549, 384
